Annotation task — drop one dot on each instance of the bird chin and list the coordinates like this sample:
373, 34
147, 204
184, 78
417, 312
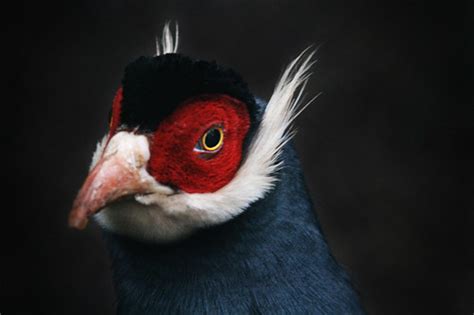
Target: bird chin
143, 222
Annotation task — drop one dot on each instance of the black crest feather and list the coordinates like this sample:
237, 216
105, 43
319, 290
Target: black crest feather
154, 86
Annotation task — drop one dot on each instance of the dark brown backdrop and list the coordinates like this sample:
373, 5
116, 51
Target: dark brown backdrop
384, 148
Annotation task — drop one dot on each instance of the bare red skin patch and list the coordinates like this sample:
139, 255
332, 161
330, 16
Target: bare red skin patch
116, 109
174, 161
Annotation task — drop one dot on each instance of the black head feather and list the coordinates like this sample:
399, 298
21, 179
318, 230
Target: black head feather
154, 86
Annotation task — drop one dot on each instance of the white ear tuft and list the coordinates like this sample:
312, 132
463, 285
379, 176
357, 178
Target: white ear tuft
169, 44
282, 109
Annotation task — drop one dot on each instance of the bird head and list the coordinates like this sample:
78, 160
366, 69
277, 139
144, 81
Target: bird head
188, 146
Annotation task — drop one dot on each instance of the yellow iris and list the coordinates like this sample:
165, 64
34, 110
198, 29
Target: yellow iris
213, 139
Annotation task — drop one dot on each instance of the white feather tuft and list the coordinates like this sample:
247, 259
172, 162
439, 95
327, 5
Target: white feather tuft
169, 44
98, 152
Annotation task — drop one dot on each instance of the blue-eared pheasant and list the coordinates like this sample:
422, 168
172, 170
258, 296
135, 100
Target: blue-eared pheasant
202, 198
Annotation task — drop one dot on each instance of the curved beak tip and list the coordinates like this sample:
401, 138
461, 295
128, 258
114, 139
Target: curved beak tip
112, 178
77, 223
76, 220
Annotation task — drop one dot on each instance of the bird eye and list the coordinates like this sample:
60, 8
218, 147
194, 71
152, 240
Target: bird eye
211, 140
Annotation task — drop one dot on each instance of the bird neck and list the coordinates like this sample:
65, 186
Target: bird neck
271, 257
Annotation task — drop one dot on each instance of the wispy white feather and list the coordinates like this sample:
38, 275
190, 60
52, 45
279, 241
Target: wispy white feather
169, 44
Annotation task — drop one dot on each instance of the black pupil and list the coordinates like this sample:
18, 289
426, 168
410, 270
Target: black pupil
213, 137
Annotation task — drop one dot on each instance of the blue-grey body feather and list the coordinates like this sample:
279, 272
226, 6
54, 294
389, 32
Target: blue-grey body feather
271, 259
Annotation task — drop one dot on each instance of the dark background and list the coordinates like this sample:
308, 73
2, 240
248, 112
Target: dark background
384, 149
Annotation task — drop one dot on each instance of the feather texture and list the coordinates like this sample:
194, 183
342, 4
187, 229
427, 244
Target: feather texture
169, 44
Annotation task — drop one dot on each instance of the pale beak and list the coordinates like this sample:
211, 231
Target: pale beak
119, 173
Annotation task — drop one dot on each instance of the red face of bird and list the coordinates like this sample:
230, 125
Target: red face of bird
197, 149
187, 148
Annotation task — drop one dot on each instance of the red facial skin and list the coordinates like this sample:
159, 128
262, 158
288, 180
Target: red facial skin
116, 109
173, 158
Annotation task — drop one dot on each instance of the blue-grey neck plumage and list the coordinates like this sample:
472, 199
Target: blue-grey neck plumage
272, 259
